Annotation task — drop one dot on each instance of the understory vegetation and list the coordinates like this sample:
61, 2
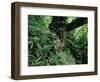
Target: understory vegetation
56, 40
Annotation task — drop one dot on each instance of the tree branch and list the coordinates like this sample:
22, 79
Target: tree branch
75, 24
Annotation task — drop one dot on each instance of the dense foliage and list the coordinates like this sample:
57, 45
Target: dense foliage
55, 40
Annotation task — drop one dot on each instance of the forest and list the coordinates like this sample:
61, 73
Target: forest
57, 40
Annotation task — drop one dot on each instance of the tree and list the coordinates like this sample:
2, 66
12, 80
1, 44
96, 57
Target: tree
53, 40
